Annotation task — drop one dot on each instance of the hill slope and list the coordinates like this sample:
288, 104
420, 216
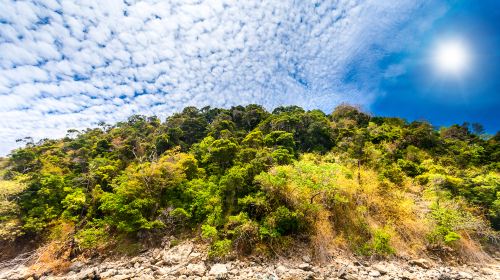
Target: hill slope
246, 181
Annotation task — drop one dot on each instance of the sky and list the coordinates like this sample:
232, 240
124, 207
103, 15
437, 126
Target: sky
71, 64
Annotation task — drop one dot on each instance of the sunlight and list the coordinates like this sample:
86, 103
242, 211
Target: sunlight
452, 57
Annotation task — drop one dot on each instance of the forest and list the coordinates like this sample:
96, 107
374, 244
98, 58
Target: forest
245, 181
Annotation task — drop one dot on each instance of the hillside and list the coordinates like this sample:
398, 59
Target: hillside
247, 182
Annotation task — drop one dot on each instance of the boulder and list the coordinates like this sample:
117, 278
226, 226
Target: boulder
380, 268
423, 263
218, 270
305, 266
76, 266
464, 275
197, 269
178, 254
487, 271
108, 273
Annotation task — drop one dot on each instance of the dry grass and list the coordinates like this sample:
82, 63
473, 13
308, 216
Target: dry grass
346, 211
54, 256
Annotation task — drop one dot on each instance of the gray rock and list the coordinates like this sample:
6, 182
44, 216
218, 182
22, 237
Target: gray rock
464, 275
76, 266
120, 277
380, 268
423, 263
305, 266
218, 270
306, 258
444, 276
487, 271
374, 273
178, 254
197, 269
342, 273
108, 273
281, 269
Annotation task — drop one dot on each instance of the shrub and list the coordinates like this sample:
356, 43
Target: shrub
209, 232
394, 174
93, 235
220, 249
283, 222
381, 243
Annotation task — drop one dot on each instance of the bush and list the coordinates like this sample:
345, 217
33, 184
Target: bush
93, 235
220, 249
394, 174
282, 222
447, 221
209, 232
381, 243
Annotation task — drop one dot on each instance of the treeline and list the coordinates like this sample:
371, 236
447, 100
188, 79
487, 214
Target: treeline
244, 179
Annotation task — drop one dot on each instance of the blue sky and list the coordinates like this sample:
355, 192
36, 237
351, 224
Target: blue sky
67, 65
474, 97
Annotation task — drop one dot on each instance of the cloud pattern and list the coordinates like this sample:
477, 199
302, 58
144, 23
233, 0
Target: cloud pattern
71, 64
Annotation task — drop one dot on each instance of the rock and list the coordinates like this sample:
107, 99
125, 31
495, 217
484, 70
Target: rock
444, 276
218, 270
423, 263
197, 269
87, 273
156, 254
342, 273
305, 266
178, 254
195, 255
281, 269
464, 275
76, 266
108, 273
119, 277
306, 258
374, 273
487, 271
380, 268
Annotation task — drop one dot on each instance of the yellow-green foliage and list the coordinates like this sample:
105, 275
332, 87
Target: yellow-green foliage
10, 223
251, 180
357, 210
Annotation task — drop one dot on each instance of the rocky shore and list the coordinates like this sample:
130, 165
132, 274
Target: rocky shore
189, 261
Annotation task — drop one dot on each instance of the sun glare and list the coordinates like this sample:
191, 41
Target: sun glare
452, 57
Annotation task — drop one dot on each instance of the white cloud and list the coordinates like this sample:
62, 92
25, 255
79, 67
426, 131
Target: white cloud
66, 65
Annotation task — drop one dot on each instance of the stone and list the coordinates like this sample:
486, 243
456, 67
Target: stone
423, 263
306, 258
342, 273
487, 271
108, 273
120, 277
218, 269
197, 269
374, 273
178, 254
444, 276
281, 269
464, 275
76, 266
305, 266
380, 268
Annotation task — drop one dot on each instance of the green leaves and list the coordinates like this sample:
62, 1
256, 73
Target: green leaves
248, 177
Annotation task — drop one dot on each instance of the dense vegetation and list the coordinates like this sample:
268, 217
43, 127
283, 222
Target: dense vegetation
244, 180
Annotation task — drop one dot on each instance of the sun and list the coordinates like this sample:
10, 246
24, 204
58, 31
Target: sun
452, 57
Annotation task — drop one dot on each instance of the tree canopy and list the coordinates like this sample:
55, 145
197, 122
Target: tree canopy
243, 176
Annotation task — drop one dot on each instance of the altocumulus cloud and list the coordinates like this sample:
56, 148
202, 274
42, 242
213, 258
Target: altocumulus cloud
71, 64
